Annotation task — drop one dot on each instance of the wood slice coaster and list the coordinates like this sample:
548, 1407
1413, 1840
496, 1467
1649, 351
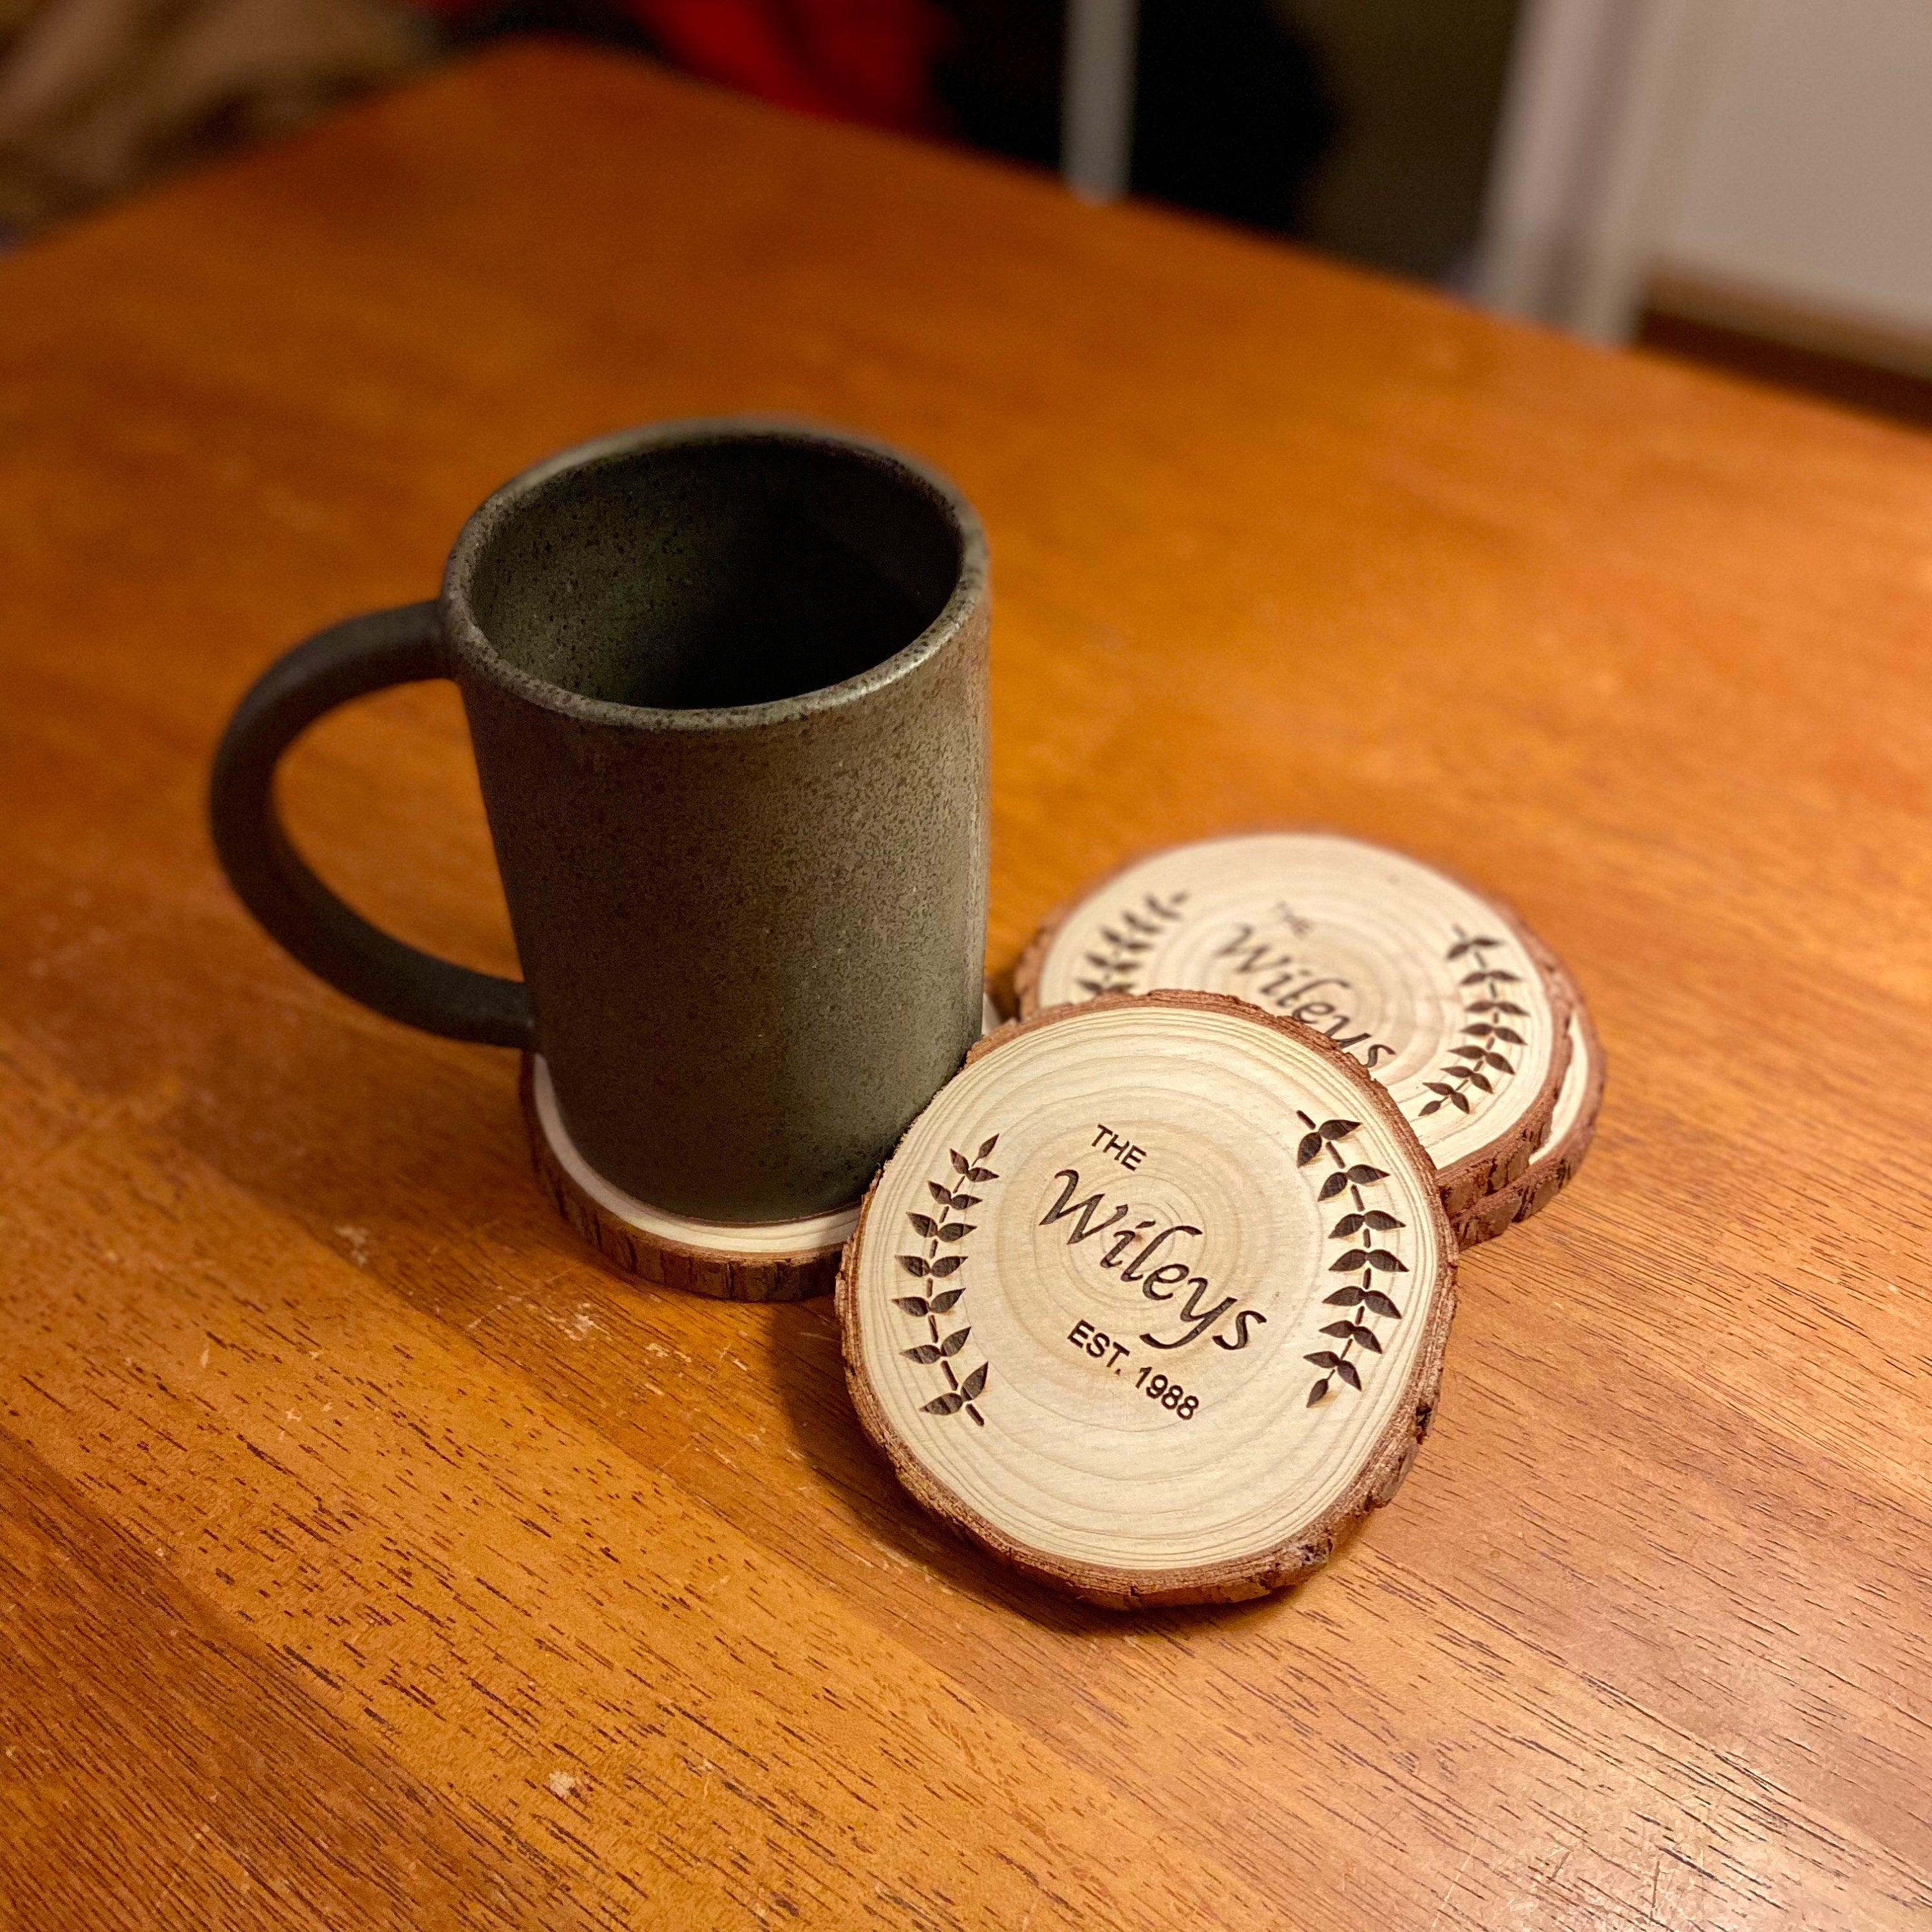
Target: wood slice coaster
771, 1261
1151, 1300
1444, 994
1572, 1127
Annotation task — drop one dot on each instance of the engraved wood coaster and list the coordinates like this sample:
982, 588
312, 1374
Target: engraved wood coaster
1572, 1127
774, 1261
1151, 1300
1443, 994
771, 1261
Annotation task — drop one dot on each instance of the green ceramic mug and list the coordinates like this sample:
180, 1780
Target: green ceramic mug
726, 683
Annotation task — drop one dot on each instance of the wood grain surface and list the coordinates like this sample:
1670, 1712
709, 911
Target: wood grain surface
372, 1555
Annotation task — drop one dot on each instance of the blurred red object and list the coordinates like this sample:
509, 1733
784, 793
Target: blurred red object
859, 60
852, 60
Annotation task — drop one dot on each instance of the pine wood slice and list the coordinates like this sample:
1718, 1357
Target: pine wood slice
774, 1261
1444, 994
1573, 1125
770, 1261
1151, 1300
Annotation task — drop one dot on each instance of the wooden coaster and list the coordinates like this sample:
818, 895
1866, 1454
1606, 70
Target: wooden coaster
1572, 1127
1442, 993
1151, 1300
771, 1261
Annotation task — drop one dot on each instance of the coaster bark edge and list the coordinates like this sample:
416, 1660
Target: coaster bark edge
1349, 1480
1468, 1180
790, 1261
1554, 1165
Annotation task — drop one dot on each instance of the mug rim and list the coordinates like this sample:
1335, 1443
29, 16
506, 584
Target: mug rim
466, 639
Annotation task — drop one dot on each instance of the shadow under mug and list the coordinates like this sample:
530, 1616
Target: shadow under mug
726, 684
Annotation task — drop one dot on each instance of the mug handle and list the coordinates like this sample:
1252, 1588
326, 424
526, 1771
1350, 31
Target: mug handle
349, 660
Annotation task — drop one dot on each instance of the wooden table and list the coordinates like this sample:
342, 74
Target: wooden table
370, 1556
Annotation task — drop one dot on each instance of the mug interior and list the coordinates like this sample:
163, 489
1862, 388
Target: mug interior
697, 575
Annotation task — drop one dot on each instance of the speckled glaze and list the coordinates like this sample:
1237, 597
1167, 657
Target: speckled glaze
726, 685
753, 932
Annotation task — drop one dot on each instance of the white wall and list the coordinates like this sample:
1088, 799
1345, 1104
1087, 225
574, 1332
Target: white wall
1806, 185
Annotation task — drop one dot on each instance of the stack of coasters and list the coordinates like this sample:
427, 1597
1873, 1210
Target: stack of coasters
1151, 1301
1468, 1019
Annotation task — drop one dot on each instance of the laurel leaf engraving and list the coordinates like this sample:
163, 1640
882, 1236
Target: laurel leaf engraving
1119, 969
929, 1307
1364, 1223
